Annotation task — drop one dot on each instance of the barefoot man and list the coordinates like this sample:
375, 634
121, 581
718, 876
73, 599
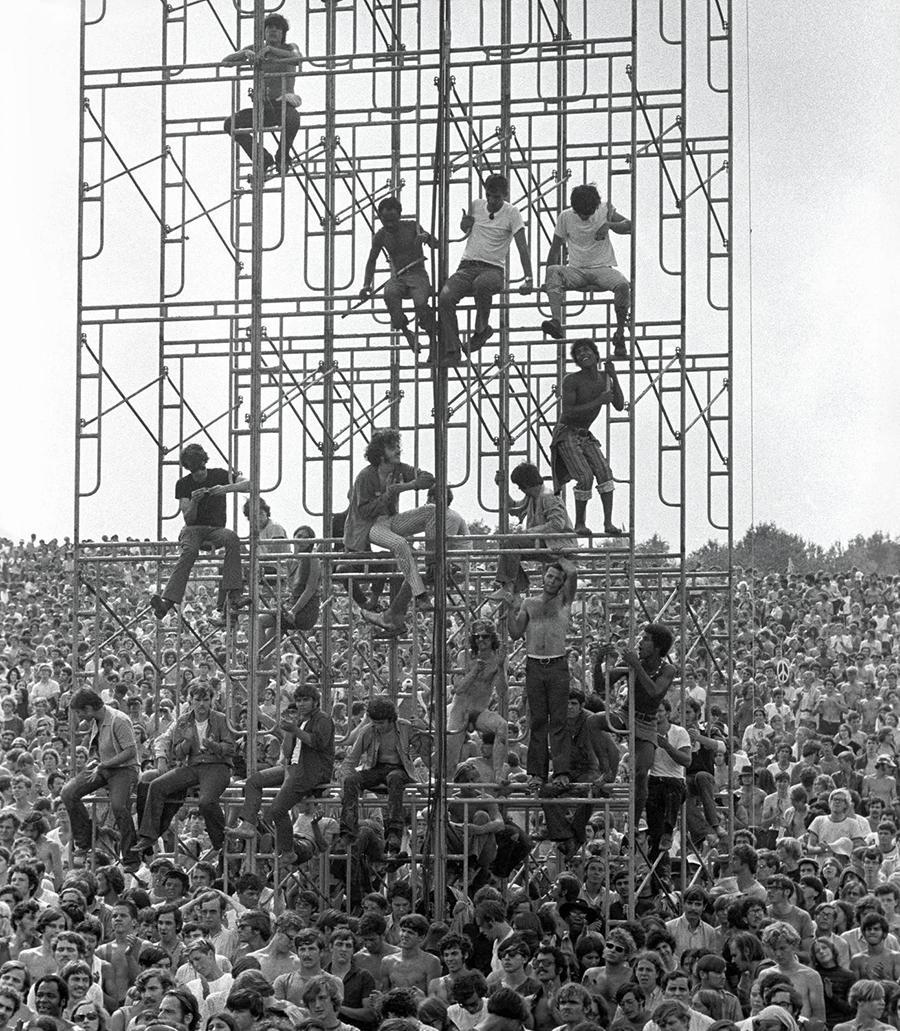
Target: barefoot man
574, 451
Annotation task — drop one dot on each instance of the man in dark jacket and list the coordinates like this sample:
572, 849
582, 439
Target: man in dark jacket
595, 761
384, 747
199, 752
308, 752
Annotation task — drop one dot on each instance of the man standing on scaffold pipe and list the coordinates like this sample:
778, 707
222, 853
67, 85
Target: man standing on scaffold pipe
575, 453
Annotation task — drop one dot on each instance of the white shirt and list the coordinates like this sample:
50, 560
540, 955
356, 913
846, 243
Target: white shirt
201, 731
663, 764
491, 235
584, 250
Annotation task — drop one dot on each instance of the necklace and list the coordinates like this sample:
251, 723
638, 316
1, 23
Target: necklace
652, 674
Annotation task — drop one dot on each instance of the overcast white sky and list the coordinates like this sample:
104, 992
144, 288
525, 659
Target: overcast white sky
825, 83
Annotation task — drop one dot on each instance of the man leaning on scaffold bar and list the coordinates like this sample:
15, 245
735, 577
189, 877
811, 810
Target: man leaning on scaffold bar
652, 678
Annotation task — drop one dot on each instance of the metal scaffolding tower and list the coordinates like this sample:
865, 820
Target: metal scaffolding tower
219, 306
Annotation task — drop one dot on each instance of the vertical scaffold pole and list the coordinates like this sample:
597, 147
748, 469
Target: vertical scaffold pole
439, 645
256, 329
632, 492
79, 299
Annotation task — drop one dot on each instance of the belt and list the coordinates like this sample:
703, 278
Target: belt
545, 660
643, 717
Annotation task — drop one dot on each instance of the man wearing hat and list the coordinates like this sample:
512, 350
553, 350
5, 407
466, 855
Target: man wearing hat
483, 679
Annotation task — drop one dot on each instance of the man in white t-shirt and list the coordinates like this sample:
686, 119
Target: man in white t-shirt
666, 784
490, 225
584, 228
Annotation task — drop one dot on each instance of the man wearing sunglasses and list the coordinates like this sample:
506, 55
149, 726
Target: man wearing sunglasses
483, 678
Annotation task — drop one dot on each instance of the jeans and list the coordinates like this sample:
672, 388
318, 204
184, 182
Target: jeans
297, 786
191, 539
382, 775
475, 279
413, 283
119, 784
664, 801
210, 778
559, 826
702, 785
243, 119
547, 691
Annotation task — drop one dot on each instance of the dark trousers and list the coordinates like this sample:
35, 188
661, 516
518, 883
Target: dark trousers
665, 797
297, 786
253, 791
559, 826
271, 120
119, 785
210, 778
702, 785
547, 690
477, 279
173, 802
394, 778
513, 552
644, 752
191, 539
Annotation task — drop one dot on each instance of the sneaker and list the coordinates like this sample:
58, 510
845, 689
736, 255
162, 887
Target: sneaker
501, 594
161, 606
480, 337
552, 328
243, 830
380, 620
619, 349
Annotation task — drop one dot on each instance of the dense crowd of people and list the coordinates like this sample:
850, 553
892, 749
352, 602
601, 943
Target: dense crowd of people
767, 859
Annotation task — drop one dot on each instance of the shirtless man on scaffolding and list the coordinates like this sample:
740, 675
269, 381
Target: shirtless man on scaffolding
471, 694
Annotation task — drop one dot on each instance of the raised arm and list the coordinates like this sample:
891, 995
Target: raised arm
618, 398
571, 583
517, 617
657, 688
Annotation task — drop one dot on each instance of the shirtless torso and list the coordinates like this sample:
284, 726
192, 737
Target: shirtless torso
584, 394
473, 691
548, 621
409, 969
